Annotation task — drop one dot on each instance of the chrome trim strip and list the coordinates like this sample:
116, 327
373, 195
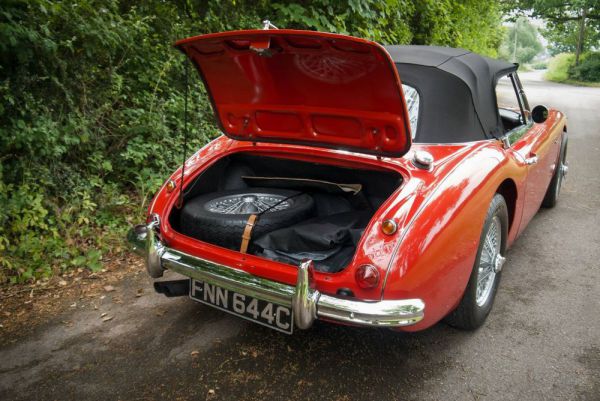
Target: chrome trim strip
305, 298
145, 243
154, 249
307, 303
228, 277
377, 313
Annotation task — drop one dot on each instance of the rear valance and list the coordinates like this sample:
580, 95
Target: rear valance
303, 87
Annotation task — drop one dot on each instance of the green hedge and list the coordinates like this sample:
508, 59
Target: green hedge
558, 67
539, 65
91, 105
588, 69
90, 112
562, 68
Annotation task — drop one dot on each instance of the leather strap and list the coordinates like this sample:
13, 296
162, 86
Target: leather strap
247, 233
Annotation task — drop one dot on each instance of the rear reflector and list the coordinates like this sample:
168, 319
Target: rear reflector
367, 276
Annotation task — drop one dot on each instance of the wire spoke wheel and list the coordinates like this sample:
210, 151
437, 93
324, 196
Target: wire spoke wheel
220, 218
562, 172
248, 203
478, 298
487, 262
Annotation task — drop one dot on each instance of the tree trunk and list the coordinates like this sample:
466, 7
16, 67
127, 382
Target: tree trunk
581, 36
515, 44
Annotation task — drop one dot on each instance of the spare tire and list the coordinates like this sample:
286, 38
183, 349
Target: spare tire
220, 217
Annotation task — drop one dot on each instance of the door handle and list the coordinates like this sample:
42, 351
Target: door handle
531, 160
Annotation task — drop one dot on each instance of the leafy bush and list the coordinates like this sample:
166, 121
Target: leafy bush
540, 65
588, 68
562, 68
521, 42
558, 67
91, 104
89, 93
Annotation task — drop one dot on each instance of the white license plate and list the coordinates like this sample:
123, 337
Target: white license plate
268, 314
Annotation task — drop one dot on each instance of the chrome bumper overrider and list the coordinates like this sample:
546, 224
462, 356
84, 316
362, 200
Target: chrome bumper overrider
307, 303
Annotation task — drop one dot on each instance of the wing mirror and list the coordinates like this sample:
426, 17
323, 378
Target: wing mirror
539, 114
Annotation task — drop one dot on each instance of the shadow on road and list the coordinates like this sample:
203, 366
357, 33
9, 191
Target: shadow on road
183, 350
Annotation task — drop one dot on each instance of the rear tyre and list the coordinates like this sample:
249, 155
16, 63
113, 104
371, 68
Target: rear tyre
479, 295
560, 171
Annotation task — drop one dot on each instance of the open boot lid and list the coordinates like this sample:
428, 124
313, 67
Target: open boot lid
303, 87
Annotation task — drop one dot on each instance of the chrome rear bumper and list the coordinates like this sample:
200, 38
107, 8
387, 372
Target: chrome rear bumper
307, 303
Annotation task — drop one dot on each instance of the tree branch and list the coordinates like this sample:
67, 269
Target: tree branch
564, 19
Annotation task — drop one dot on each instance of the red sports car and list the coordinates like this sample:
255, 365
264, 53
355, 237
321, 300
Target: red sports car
355, 183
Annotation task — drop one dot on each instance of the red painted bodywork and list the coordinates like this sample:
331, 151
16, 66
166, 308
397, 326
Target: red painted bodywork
303, 87
439, 212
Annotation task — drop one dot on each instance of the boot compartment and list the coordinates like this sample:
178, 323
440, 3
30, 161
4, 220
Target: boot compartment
304, 210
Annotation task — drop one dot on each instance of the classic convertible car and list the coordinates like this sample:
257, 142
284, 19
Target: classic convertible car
354, 183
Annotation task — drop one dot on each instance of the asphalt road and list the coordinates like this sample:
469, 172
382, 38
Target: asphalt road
541, 342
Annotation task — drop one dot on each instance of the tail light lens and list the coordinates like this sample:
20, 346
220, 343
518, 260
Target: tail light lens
367, 276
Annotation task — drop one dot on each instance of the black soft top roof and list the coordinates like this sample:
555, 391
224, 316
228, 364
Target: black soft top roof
456, 89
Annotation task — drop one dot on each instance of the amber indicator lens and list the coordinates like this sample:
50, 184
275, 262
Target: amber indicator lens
171, 186
367, 276
389, 227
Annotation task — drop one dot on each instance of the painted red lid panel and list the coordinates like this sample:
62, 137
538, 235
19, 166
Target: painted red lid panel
303, 87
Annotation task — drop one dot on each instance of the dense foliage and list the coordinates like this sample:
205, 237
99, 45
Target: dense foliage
588, 68
563, 38
558, 67
570, 26
521, 43
562, 68
91, 100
